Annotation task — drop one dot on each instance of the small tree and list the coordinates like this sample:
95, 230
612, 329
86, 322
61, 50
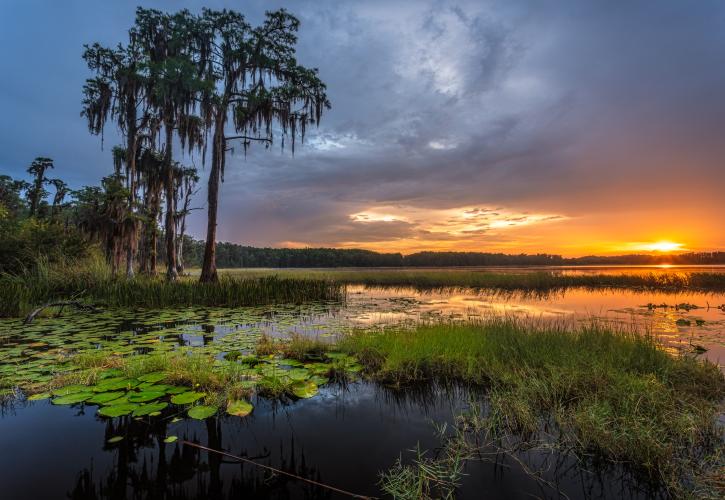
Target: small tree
37, 192
186, 181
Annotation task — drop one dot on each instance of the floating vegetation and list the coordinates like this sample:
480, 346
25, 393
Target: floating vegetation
202, 412
239, 408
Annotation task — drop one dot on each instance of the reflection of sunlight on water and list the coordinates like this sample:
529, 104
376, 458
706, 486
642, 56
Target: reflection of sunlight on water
618, 308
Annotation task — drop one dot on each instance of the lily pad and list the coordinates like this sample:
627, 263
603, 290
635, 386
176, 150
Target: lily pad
112, 372
239, 408
39, 397
117, 410
70, 389
298, 374
304, 389
115, 439
318, 380
176, 390
171, 439
152, 377
105, 397
202, 412
187, 397
144, 396
70, 399
149, 409
116, 384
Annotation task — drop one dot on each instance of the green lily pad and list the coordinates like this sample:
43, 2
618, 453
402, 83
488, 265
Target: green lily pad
239, 408
70, 389
202, 412
318, 380
39, 397
115, 439
116, 384
105, 397
304, 389
112, 372
171, 439
118, 410
176, 390
149, 409
144, 396
70, 399
298, 374
187, 397
152, 377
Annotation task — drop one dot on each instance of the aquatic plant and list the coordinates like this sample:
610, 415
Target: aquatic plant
613, 394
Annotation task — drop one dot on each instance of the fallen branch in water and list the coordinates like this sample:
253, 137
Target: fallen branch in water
277, 471
72, 303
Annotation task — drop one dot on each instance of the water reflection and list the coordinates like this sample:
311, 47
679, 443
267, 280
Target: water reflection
344, 438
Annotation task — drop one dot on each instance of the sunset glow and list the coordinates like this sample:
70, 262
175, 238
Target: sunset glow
664, 246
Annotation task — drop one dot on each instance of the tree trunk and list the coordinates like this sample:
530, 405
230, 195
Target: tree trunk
132, 238
208, 271
170, 226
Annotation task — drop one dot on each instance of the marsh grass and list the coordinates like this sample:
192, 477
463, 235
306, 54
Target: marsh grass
508, 280
300, 347
606, 393
92, 281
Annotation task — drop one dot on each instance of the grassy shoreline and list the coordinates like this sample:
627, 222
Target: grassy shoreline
604, 393
533, 281
91, 281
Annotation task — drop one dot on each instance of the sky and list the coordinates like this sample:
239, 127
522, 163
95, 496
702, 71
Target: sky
510, 126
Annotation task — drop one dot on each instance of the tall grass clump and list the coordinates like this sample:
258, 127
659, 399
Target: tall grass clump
91, 280
611, 394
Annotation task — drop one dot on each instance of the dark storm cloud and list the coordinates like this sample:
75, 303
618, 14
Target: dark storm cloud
563, 108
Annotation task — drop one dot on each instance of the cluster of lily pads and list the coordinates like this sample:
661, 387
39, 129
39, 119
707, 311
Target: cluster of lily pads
33, 355
147, 395
118, 395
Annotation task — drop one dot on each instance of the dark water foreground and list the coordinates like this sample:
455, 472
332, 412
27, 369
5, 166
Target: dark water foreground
344, 437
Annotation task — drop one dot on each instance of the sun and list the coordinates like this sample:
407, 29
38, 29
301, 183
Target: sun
663, 246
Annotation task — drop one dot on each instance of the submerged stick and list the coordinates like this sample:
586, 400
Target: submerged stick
278, 471
78, 305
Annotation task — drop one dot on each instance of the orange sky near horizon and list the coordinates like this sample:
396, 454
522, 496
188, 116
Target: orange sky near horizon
645, 231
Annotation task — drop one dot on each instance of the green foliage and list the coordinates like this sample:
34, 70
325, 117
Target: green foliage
31, 242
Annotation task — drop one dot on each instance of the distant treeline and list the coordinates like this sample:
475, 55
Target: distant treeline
230, 255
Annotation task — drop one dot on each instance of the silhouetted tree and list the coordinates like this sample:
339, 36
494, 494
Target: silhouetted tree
118, 92
37, 192
172, 87
257, 82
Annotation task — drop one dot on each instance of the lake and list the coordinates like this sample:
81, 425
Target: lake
344, 436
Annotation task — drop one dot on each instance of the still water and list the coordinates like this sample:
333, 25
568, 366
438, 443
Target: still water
344, 436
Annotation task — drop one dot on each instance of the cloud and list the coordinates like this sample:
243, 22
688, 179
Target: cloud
604, 122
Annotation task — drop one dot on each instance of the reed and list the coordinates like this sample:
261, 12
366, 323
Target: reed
92, 281
610, 394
